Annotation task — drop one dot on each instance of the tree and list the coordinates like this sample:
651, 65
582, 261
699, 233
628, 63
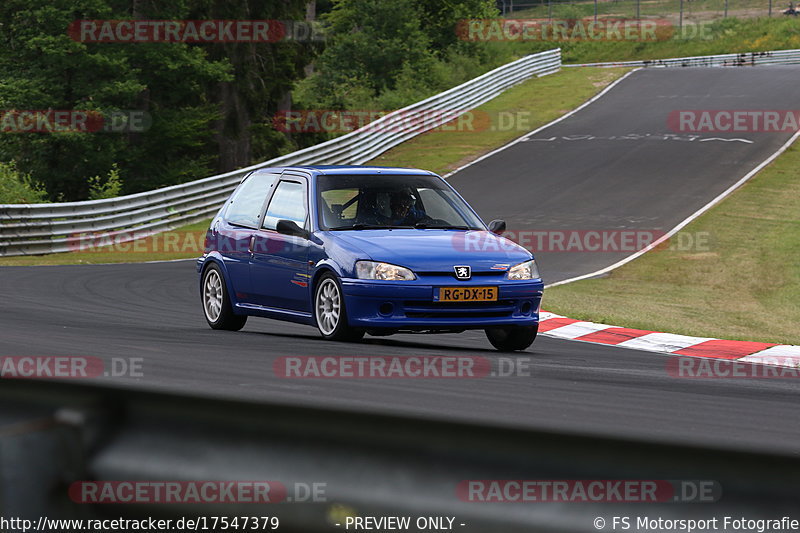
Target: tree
440, 20
263, 76
369, 43
44, 68
390, 51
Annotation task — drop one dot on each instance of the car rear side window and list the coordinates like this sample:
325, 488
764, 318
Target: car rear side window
246, 204
288, 203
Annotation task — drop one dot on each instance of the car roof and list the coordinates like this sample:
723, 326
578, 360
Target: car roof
350, 170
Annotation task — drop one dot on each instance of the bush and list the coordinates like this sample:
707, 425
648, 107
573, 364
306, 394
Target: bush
108, 188
16, 188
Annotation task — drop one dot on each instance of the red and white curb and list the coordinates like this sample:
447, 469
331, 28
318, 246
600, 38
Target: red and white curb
560, 327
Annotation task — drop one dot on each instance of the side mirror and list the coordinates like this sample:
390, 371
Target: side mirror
290, 227
497, 226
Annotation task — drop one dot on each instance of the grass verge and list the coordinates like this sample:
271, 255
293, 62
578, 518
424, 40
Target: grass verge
720, 37
745, 285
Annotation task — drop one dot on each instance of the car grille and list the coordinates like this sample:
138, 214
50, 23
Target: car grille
429, 309
451, 274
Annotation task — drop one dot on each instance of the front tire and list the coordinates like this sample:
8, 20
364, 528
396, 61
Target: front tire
217, 306
330, 313
513, 338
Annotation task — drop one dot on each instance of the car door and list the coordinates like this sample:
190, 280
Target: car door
279, 267
234, 232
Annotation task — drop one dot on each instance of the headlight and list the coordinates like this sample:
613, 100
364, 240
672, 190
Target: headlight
384, 271
526, 270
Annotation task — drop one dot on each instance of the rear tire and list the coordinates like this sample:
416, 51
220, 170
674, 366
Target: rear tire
217, 306
330, 313
512, 338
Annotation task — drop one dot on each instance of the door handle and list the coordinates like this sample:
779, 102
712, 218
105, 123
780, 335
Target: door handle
252, 243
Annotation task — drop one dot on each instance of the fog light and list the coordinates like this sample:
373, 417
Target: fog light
525, 309
386, 309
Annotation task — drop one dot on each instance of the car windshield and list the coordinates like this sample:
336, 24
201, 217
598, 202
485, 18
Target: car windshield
377, 201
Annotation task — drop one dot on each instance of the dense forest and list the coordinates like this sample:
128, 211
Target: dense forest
185, 110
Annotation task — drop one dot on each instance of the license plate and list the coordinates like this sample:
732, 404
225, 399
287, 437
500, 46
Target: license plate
467, 294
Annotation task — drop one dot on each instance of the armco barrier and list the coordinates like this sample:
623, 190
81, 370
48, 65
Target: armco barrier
748, 59
48, 228
54, 434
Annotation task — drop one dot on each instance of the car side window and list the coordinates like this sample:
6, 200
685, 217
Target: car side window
339, 205
246, 204
288, 203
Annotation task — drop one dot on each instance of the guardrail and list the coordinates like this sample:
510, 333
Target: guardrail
748, 59
61, 227
53, 434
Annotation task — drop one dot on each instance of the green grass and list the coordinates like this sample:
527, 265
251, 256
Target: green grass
720, 37
745, 286
725, 36
532, 103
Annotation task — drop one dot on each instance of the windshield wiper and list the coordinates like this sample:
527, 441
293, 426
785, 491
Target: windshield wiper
425, 225
369, 226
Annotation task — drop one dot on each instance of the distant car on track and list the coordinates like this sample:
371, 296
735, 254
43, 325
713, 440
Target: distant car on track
355, 250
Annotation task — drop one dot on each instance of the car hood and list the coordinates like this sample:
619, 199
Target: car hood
432, 250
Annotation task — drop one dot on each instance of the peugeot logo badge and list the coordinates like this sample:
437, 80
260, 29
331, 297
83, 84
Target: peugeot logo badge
463, 271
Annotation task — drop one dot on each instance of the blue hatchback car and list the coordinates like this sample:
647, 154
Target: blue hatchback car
355, 250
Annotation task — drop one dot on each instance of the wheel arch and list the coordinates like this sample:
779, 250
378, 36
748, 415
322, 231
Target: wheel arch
321, 271
217, 260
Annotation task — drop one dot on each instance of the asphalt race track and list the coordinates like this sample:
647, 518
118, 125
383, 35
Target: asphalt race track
152, 311
616, 165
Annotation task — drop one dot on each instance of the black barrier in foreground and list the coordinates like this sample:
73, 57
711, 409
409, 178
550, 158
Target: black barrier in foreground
65, 447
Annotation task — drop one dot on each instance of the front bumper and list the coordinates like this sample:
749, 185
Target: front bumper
402, 305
